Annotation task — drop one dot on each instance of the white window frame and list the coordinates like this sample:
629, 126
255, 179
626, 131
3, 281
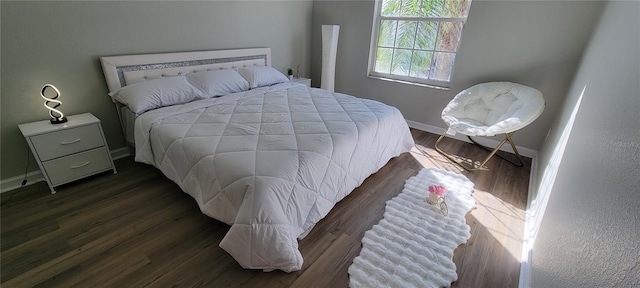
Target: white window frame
373, 48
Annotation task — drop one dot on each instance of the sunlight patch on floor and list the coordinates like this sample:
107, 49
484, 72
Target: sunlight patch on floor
502, 220
430, 158
419, 155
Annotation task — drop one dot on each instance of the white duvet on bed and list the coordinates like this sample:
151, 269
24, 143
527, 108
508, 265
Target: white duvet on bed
271, 162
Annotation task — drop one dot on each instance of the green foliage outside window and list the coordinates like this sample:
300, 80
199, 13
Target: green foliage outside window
419, 38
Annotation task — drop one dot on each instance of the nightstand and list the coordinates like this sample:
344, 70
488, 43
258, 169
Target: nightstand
69, 151
305, 81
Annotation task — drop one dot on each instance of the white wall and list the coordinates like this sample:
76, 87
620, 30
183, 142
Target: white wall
590, 233
535, 43
61, 42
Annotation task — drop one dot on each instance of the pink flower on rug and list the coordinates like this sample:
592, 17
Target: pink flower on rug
437, 189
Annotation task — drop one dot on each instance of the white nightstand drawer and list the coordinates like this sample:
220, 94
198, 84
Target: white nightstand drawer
76, 166
66, 142
68, 151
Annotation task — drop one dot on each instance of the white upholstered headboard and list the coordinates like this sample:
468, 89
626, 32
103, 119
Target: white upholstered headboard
120, 71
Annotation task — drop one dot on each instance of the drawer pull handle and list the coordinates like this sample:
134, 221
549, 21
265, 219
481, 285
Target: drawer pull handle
81, 165
70, 142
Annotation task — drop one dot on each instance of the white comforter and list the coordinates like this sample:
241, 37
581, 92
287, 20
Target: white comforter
271, 162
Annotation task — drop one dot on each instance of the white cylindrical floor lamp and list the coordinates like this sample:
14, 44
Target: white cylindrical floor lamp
329, 52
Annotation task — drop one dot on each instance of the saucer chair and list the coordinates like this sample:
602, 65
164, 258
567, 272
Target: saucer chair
491, 109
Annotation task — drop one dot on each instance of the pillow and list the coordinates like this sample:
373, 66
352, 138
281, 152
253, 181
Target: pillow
156, 93
219, 82
258, 76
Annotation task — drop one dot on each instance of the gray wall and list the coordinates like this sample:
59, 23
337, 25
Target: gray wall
61, 42
535, 43
589, 235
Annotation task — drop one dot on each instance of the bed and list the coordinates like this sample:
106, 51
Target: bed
266, 156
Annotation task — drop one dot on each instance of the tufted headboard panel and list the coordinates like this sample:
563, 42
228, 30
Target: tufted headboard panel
120, 71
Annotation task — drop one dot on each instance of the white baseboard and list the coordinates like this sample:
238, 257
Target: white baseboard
15, 182
528, 237
36, 176
524, 151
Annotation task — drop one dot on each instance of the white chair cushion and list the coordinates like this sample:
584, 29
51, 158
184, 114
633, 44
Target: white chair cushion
493, 108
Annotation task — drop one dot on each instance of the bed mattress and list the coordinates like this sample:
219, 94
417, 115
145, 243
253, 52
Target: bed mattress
271, 162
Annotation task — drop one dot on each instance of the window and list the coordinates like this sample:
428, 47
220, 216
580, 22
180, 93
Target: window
417, 40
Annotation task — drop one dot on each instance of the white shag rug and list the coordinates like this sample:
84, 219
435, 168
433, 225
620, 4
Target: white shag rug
412, 246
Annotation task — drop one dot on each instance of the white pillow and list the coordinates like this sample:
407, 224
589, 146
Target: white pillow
219, 82
259, 76
156, 93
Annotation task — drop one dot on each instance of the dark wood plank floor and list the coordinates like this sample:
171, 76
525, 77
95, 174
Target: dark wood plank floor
136, 228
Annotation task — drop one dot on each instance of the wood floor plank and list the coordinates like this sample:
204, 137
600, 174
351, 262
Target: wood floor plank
209, 263
73, 257
170, 252
57, 205
73, 235
136, 229
32, 231
332, 262
111, 266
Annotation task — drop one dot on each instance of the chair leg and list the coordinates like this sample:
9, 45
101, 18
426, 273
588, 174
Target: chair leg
513, 145
519, 162
473, 168
464, 166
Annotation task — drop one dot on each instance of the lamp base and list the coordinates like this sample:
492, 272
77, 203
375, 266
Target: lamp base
58, 120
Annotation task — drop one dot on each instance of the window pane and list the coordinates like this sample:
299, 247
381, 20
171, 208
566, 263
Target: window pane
420, 64
433, 8
449, 36
383, 60
411, 8
426, 37
412, 50
456, 8
446, 8
387, 33
391, 7
443, 64
401, 62
405, 34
